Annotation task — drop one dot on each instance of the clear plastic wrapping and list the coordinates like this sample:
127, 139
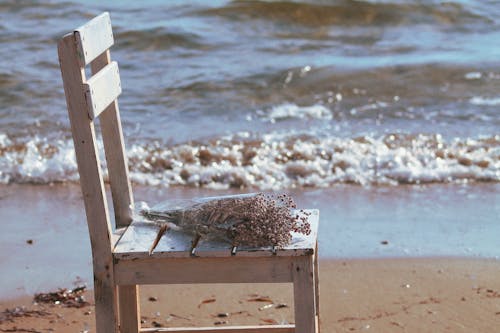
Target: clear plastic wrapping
256, 219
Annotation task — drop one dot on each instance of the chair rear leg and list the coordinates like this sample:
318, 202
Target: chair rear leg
130, 319
304, 295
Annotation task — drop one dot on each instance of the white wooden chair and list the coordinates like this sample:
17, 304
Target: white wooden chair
122, 259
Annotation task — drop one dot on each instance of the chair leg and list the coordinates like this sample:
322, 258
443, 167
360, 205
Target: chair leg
106, 314
316, 287
128, 297
304, 295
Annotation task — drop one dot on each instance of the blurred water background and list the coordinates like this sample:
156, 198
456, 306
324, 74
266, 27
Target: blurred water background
267, 94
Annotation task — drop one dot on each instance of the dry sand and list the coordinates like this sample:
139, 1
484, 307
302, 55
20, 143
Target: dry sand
376, 295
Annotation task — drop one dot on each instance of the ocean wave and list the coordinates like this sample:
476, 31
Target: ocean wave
14, 6
272, 161
157, 39
347, 13
402, 89
414, 85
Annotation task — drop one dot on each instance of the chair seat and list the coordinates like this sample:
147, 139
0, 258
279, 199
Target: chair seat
137, 242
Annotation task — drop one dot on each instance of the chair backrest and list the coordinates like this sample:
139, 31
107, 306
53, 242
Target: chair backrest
88, 100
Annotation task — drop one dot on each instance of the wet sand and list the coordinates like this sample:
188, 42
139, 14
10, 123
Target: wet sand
376, 295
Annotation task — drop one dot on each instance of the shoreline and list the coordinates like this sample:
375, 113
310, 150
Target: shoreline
378, 295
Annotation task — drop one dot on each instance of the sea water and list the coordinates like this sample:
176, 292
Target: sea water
267, 95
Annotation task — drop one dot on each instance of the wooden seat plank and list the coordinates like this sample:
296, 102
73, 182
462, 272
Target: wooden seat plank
139, 237
136, 241
173, 243
213, 248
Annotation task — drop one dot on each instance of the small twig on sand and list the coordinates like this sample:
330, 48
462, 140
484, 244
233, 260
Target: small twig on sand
18, 312
16, 329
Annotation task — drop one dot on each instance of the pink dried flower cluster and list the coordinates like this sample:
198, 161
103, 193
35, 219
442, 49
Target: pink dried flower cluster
251, 220
269, 221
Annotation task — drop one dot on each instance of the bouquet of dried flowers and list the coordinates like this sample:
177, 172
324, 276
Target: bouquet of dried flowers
258, 219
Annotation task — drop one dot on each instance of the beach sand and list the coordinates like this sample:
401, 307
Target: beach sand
399, 288
375, 295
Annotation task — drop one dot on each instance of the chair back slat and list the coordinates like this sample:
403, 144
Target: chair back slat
87, 157
94, 38
112, 137
97, 97
102, 89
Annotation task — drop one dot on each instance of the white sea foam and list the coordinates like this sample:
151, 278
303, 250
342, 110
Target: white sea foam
473, 75
273, 161
36, 161
288, 110
478, 100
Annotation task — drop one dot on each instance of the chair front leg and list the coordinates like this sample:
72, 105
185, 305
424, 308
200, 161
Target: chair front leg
304, 295
106, 314
130, 317
316, 288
